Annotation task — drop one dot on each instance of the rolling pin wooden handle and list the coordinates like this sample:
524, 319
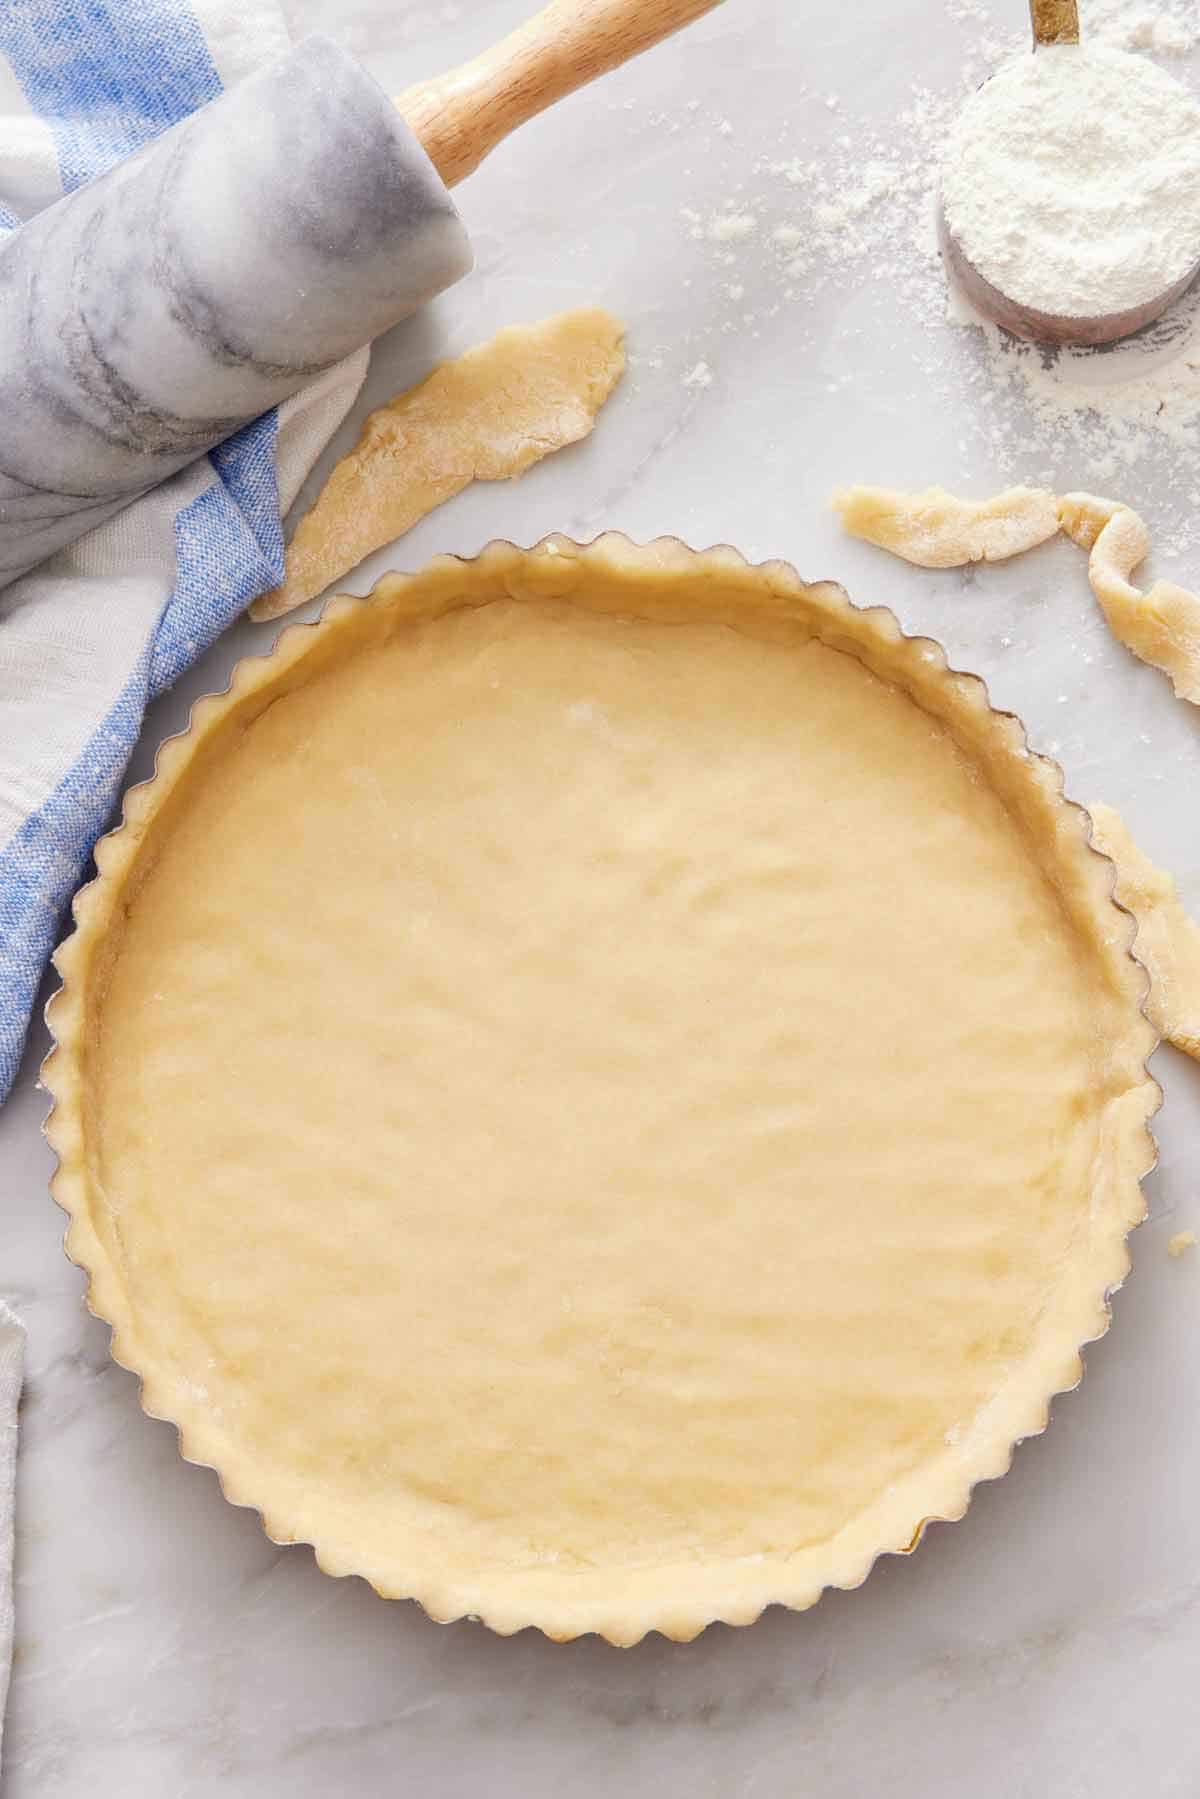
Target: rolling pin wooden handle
1054, 21
462, 116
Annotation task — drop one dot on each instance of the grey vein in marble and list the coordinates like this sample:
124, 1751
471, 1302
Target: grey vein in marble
154, 312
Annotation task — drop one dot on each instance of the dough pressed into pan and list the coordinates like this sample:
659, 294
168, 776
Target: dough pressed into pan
601, 1087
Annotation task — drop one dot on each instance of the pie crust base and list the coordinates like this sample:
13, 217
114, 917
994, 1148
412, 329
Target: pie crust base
601, 1087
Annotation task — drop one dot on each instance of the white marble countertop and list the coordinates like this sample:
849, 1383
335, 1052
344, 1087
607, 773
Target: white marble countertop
1046, 1646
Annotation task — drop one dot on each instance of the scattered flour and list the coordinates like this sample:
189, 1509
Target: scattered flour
731, 227
858, 212
1126, 27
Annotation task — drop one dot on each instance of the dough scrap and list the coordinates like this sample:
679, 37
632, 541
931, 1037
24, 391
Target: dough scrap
1168, 941
1161, 625
487, 416
1181, 1242
935, 529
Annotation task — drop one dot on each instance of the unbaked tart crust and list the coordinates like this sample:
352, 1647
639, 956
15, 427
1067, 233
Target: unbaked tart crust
601, 1087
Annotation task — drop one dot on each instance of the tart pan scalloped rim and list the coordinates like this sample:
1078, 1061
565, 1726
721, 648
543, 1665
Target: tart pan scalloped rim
549, 569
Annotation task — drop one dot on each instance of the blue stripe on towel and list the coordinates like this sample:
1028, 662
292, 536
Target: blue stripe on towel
229, 547
106, 75
42, 866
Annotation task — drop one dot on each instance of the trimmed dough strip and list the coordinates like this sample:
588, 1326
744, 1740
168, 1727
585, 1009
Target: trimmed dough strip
488, 416
934, 529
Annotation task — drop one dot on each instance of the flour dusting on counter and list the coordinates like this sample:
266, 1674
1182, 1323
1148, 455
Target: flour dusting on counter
857, 209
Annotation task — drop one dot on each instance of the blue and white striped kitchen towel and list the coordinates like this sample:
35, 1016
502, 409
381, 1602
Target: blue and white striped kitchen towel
95, 633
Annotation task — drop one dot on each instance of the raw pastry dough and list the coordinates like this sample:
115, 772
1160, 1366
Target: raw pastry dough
682, 1138
1161, 626
1168, 941
936, 530
1181, 1242
486, 417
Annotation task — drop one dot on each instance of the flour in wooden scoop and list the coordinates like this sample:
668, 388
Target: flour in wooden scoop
1071, 181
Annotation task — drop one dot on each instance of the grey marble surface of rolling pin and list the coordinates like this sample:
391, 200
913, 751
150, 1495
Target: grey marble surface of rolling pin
147, 316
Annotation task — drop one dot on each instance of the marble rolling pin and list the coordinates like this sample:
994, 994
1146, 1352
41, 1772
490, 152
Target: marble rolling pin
149, 315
